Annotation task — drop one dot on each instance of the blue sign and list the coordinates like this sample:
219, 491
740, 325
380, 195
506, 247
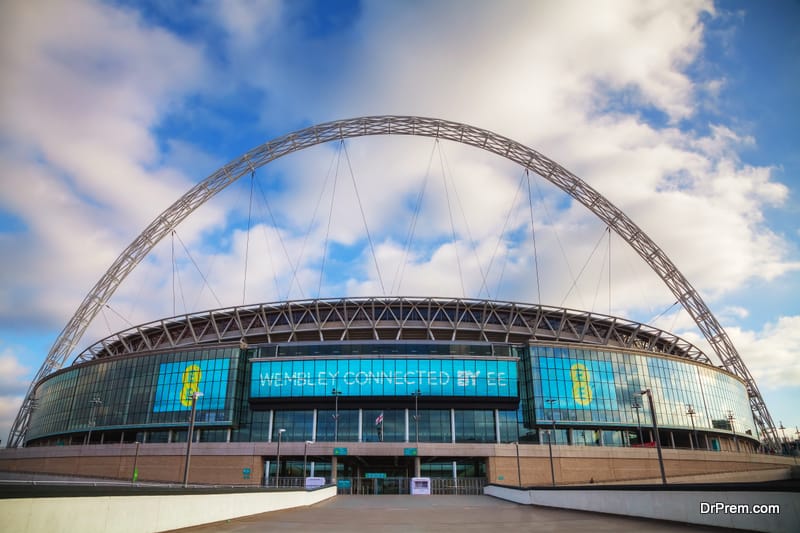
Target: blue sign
177, 383
577, 383
290, 378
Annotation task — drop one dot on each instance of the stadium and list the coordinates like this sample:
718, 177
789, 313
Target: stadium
372, 392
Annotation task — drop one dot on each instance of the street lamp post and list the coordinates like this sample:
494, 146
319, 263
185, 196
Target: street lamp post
416, 396
550, 441
658, 438
336, 394
784, 448
731, 418
94, 402
135, 474
281, 431
636, 406
691, 412
190, 437
519, 470
305, 458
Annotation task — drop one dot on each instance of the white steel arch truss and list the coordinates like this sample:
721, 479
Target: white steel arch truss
397, 125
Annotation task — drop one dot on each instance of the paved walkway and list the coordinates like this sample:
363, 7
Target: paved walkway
407, 514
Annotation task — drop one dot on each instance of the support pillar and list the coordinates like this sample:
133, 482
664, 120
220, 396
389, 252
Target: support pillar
271, 420
314, 425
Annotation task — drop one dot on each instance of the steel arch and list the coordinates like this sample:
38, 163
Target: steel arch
397, 125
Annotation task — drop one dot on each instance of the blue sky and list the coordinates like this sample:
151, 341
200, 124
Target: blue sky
684, 115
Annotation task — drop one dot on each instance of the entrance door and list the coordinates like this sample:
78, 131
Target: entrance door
380, 486
375, 475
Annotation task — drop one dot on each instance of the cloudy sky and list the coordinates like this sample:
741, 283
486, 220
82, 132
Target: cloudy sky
683, 114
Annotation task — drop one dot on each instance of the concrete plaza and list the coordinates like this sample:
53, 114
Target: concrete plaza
408, 514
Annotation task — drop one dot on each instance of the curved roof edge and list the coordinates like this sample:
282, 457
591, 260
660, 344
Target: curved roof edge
391, 318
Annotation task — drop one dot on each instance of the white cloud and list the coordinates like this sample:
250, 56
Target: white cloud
84, 83
545, 77
12, 372
14, 381
85, 170
771, 354
9, 406
248, 23
544, 73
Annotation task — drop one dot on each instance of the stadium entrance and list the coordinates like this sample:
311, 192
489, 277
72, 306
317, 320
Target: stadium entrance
377, 475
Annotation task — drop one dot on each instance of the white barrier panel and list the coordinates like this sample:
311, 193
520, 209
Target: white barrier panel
749, 510
140, 514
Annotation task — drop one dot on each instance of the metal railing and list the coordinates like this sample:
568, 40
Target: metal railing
468, 486
401, 485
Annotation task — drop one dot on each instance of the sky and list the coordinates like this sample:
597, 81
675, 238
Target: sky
683, 114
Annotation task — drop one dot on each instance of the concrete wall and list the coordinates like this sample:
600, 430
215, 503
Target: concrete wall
678, 506
577, 465
140, 514
223, 463
212, 463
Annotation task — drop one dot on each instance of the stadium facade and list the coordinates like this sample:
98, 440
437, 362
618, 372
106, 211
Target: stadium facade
381, 374
391, 387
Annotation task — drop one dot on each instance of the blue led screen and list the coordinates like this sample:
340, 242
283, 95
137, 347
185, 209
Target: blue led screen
177, 382
578, 383
383, 377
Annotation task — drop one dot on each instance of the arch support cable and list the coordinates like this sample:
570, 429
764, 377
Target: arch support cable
397, 125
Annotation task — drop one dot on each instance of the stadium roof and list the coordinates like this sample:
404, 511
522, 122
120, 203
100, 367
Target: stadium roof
391, 318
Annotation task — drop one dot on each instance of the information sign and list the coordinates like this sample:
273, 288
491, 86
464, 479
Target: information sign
315, 482
290, 378
420, 486
590, 384
179, 381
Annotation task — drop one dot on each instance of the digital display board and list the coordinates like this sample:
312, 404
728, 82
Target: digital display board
383, 377
177, 382
578, 383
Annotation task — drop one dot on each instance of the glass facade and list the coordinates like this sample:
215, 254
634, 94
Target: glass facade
381, 425
389, 392
346, 430
579, 387
139, 392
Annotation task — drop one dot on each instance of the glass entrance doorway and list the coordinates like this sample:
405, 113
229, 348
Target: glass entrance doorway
375, 467
392, 475
374, 475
